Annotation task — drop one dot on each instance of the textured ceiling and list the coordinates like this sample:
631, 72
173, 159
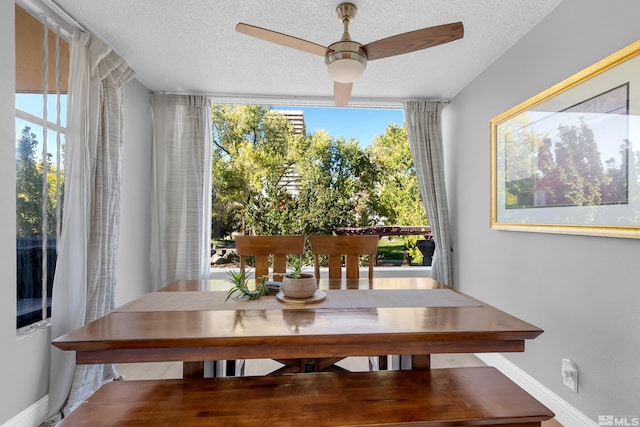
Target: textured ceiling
190, 46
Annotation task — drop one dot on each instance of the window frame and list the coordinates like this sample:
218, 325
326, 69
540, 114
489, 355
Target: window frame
30, 321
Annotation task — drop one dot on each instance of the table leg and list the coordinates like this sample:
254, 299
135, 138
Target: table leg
407, 362
308, 365
421, 361
192, 369
230, 368
382, 363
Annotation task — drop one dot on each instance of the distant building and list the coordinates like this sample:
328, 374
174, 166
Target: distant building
296, 117
291, 180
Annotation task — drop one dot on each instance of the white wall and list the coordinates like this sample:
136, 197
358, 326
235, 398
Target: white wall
24, 361
583, 291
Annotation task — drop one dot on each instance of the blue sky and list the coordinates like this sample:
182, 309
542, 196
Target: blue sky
32, 104
359, 123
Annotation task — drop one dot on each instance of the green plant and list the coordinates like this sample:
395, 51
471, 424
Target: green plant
240, 289
411, 244
295, 271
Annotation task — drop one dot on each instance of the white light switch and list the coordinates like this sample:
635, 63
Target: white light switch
570, 374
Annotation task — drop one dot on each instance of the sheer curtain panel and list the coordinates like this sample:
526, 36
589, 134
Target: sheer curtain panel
181, 210
425, 140
84, 283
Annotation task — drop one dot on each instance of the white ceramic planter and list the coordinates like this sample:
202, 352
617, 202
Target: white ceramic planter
304, 287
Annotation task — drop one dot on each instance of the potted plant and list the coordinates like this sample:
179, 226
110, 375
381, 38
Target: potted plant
296, 284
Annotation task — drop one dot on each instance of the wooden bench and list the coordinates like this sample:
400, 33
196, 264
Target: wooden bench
440, 397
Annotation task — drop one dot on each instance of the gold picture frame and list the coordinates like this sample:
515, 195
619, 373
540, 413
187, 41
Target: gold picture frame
568, 160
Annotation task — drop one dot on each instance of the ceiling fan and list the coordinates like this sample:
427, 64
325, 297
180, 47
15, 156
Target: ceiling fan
347, 59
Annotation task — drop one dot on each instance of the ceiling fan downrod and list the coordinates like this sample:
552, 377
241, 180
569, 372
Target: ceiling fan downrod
346, 14
345, 59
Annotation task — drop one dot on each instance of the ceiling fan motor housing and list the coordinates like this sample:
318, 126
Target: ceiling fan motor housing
345, 61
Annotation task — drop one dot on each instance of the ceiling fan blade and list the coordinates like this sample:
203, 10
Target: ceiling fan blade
413, 41
282, 39
342, 93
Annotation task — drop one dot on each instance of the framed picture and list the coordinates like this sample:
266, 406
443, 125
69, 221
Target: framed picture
568, 159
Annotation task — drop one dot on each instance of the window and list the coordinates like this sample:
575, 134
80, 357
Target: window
42, 60
299, 170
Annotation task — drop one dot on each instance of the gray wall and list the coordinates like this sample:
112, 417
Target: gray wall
583, 291
134, 269
24, 361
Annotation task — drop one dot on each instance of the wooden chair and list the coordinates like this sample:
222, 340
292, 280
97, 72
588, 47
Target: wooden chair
265, 247
349, 247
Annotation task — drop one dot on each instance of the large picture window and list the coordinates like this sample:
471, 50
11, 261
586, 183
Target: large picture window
42, 59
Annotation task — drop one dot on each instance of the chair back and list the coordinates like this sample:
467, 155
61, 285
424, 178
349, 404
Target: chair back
349, 247
263, 247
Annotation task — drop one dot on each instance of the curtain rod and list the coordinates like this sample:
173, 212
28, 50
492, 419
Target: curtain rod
54, 14
63, 14
309, 101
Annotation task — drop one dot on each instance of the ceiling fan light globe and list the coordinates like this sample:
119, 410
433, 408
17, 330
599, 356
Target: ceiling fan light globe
345, 67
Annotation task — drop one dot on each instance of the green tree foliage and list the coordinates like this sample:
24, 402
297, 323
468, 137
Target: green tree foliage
521, 145
255, 148
616, 181
632, 158
249, 154
569, 172
397, 197
28, 187
578, 168
336, 180
29, 183
575, 174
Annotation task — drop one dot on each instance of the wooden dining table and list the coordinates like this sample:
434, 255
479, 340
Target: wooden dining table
191, 321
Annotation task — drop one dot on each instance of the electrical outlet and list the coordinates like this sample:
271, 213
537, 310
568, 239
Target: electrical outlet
570, 374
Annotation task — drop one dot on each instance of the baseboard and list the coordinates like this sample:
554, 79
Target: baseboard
32, 416
566, 414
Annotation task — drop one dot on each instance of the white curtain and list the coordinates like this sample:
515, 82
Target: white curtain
84, 282
425, 140
181, 194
